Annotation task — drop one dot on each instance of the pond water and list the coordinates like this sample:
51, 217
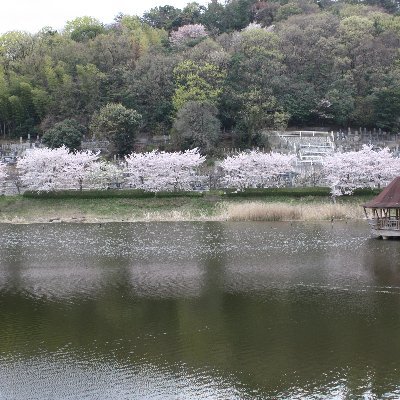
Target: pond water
198, 311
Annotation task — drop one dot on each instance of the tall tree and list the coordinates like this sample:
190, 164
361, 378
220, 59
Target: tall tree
249, 101
214, 17
67, 133
117, 124
149, 90
82, 29
197, 82
387, 108
163, 17
197, 126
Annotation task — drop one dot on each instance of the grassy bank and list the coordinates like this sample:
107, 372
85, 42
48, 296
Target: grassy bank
218, 206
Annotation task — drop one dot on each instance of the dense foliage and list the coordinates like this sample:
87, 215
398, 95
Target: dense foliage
251, 64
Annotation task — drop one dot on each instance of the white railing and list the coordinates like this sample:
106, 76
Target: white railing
305, 133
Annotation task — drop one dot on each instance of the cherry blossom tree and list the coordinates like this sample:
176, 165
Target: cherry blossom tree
188, 34
78, 168
103, 175
367, 168
3, 175
255, 169
162, 171
253, 25
47, 169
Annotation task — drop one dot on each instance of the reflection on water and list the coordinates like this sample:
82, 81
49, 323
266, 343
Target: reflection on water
198, 310
109, 379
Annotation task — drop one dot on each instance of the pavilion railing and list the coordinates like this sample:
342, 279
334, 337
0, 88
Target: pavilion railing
391, 224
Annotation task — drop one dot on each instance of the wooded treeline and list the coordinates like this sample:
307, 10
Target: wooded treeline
238, 67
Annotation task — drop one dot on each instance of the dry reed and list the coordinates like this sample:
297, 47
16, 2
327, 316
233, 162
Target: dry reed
259, 211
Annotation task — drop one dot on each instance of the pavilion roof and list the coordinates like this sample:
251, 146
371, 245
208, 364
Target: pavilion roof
388, 198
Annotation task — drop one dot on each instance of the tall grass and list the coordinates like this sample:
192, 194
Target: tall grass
258, 211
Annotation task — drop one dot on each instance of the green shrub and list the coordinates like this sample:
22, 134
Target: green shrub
286, 192
366, 192
295, 192
106, 194
178, 194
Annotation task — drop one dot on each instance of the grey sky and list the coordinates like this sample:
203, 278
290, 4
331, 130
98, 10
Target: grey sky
32, 15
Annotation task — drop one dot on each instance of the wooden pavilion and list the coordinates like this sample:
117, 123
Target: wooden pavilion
383, 211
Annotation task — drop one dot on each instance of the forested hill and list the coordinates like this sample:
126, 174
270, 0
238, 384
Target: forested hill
237, 67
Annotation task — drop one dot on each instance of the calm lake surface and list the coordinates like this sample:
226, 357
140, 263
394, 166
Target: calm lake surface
198, 311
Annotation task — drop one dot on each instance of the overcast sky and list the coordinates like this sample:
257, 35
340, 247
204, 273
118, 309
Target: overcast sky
32, 15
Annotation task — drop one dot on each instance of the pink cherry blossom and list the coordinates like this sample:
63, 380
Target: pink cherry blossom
162, 171
367, 168
186, 33
3, 174
255, 169
47, 169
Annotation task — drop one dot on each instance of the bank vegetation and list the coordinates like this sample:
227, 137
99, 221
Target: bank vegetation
297, 204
